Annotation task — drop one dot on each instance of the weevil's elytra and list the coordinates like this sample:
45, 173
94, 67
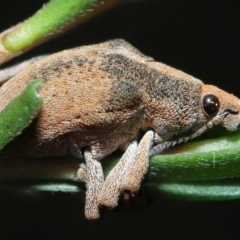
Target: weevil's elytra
101, 97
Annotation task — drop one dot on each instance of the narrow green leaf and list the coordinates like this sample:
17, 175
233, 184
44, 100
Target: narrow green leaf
19, 112
197, 191
208, 159
53, 15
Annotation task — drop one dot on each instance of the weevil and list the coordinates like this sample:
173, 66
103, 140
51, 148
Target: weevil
106, 96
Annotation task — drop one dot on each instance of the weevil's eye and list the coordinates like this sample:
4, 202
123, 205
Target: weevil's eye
211, 104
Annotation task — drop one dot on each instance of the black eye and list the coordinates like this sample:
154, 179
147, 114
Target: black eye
211, 104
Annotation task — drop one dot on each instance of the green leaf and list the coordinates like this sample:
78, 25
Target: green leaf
19, 112
53, 15
197, 191
206, 159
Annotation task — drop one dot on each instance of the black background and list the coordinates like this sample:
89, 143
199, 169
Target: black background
198, 37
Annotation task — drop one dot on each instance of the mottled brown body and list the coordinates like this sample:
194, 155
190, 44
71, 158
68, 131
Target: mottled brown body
98, 95
79, 98
98, 98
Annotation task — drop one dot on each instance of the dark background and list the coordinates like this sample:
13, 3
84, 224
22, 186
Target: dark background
198, 37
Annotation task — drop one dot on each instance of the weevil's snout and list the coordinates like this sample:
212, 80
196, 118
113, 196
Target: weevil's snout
221, 106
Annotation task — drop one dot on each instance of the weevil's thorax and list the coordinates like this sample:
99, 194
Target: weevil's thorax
169, 98
172, 104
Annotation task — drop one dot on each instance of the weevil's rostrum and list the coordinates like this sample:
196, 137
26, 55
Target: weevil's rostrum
102, 97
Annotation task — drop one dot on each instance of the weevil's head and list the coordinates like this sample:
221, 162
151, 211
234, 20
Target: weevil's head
222, 107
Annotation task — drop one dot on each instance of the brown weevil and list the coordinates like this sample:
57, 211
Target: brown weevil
102, 97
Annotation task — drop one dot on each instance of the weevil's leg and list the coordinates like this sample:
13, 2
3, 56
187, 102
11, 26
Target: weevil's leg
92, 174
94, 177
82, 173
137, 167
110, 192
165, 145
76, 152
134, 159
8, 73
